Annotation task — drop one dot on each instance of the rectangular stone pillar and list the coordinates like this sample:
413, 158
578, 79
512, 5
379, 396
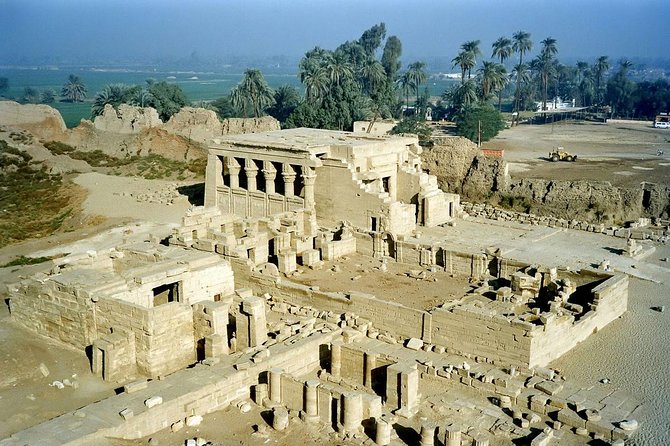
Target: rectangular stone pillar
287, 261
402, 389
251, 324
216, 345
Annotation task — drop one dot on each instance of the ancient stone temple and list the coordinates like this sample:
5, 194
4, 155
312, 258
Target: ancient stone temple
374, 182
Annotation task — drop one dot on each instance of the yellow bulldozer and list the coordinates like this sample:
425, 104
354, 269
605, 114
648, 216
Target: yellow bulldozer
559, 154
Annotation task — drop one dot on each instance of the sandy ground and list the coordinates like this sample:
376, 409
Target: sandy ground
622, 153
135, 197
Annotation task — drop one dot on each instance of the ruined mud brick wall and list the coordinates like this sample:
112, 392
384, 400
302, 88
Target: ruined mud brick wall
610, 301
164, 340
54, 310
389, 316
41, 120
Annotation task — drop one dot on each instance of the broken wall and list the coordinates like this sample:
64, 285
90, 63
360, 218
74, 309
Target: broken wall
610, 301
338, 196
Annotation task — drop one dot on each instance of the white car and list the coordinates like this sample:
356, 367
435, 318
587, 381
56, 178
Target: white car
662, 125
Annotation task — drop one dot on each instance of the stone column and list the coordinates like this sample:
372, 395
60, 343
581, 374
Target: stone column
336, 359
352, 411
275, 385
234, 171
309, 178
280, 418
427, 434
383, 431
288, 174
370, 364
311, 402
452, 436
269, 172
481, 440
250, 169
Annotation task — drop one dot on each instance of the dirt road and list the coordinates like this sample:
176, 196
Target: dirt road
623, 153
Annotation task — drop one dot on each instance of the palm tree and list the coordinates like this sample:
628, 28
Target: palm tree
143, 98
337, 69
405, 84
586, 87
112, 94
600, 68
461, 96
549, 46
316, 85
544, 67
74, 89
492, 78
521, 44
502, 49
466, 61
471, 47
256, 91
239, 100
373, 75
416, 73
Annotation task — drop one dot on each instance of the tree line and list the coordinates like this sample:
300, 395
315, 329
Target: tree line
363, 79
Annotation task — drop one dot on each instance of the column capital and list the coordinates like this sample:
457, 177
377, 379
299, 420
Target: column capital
250, 165
308, 175
232, 164
269, 170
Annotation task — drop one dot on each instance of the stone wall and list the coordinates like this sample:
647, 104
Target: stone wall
384, 315
55, 311
163, 335
561, 335
480, 331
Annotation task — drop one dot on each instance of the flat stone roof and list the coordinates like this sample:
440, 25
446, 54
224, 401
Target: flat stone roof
304, 140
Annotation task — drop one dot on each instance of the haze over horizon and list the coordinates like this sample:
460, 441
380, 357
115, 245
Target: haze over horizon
117, 31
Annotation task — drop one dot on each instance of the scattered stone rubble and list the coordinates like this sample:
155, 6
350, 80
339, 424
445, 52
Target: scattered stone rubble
165, 195
639, 230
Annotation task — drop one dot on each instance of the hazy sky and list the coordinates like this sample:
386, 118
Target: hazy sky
130, 29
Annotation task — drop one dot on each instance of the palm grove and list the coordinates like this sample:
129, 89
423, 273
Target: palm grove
363, 79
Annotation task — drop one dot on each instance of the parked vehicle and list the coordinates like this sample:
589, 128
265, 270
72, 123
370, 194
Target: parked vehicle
662, 125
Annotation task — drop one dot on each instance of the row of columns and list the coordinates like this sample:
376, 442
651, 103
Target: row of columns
269, 174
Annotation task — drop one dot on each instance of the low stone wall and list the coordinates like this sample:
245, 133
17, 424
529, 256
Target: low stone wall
636, 231
470, 329
384, 315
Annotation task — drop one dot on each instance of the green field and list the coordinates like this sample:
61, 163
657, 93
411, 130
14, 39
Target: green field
198, 86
